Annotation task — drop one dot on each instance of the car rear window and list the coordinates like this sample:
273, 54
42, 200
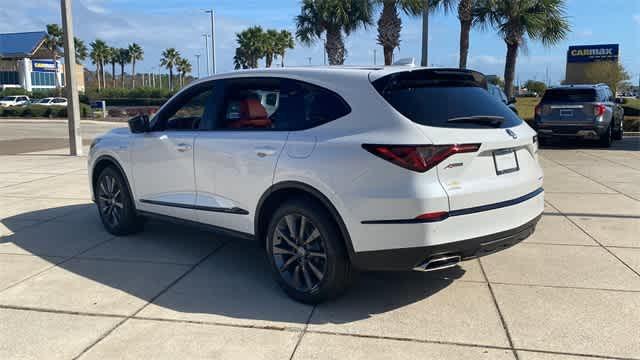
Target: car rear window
433, 99
569, 95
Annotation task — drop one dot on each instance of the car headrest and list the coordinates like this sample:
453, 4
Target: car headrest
252, 109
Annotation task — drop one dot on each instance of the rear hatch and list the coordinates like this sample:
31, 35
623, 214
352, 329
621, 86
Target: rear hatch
452, 106
568, 106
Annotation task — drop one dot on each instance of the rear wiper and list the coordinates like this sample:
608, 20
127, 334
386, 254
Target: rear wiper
480, 119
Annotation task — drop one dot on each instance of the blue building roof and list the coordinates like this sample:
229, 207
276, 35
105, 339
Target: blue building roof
24, 44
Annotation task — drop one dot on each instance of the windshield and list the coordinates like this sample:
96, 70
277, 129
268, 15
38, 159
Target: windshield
8, 98
452, 101
569, 95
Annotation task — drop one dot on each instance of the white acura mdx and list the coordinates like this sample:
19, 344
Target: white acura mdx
331, 170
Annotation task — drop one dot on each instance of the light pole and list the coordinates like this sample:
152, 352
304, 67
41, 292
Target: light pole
309, 58
425, 34
374, 56
73, 107
206, 51
198, 64
213, 40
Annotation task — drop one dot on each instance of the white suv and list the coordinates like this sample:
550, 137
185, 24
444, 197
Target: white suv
9, 101
391, 168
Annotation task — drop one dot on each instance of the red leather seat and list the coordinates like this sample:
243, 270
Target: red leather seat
252, 115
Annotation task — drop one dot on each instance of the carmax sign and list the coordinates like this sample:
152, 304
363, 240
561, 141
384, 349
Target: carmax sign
590, 53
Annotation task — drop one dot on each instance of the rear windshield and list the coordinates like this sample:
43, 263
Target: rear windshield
435, 102
570, 95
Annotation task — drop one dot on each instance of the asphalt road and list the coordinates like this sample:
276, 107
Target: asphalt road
25, 136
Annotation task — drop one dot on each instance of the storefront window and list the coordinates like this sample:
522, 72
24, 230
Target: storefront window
40, 78
8, 77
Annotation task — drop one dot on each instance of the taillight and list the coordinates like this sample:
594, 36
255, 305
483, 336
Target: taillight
418, 158
599, 109
538, 110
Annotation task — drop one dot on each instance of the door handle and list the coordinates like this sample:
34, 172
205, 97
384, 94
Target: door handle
183, 147
265, 151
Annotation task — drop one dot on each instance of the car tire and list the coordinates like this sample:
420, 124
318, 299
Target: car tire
115, 203
307, 253
619, 133
607, 138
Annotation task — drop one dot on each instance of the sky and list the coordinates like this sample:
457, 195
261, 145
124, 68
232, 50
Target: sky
160, 24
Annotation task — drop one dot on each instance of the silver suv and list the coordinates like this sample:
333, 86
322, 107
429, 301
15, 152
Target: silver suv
580, 111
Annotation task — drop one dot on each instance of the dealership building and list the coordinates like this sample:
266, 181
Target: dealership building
26, 63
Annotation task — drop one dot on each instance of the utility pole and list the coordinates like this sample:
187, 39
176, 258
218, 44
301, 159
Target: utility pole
425, 34
206, 51
198, 64
73, 105
309, 58
213, 41
374, 56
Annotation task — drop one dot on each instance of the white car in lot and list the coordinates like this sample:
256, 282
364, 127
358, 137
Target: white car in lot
393, 168
19, 100
52, 101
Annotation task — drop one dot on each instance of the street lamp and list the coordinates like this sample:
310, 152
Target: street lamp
213, 40
206, 51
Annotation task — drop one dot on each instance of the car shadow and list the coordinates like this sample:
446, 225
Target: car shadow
628, 143
232, 279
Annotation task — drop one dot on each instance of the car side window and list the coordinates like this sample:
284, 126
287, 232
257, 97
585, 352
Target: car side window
249, 104
186, 111
305, 106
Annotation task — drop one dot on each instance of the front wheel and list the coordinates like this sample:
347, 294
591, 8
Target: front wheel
115, 203
307, 252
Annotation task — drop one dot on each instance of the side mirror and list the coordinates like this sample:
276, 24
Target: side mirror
139, 124
512, 100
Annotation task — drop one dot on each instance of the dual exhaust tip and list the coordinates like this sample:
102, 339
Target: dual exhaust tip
439, 263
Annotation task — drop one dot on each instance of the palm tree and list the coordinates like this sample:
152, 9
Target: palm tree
53, 42
112, 58
335, 18
466, 10
390, 24
169, 59
270, 43
517, 20
81, 50
184, 67
251, 47
284, 42
137, 54
99, 55
124, 58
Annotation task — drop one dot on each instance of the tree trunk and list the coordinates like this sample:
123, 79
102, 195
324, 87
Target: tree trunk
465, 15
104, 73
268, 59
170, 78
98, 75
133, 74
113, 75
122, 74
335, 47
465, 28
510, 67
282, 59
389, 27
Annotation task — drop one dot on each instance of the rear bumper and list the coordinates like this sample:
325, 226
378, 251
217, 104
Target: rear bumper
586, 131
408, 258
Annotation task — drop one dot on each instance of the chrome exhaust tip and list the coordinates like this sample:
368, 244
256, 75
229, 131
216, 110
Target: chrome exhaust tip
439, 263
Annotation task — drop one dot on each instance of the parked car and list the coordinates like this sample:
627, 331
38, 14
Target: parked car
580, 111
396, 168
497, 92
52, 101
19, 100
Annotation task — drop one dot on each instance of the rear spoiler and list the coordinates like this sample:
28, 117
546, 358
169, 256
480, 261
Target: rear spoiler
422, 77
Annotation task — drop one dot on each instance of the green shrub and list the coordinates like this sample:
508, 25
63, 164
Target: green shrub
12, 112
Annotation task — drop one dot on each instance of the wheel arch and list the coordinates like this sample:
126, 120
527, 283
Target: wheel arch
278, 192
101, 163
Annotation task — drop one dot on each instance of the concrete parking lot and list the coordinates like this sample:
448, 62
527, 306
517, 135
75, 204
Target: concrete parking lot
70, 290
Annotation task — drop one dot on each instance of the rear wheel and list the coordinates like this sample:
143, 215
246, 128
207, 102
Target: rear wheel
115, 204
607, 138
619, 133
307, 253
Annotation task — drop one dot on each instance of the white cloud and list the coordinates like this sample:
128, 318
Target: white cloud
479, 60
636, 18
